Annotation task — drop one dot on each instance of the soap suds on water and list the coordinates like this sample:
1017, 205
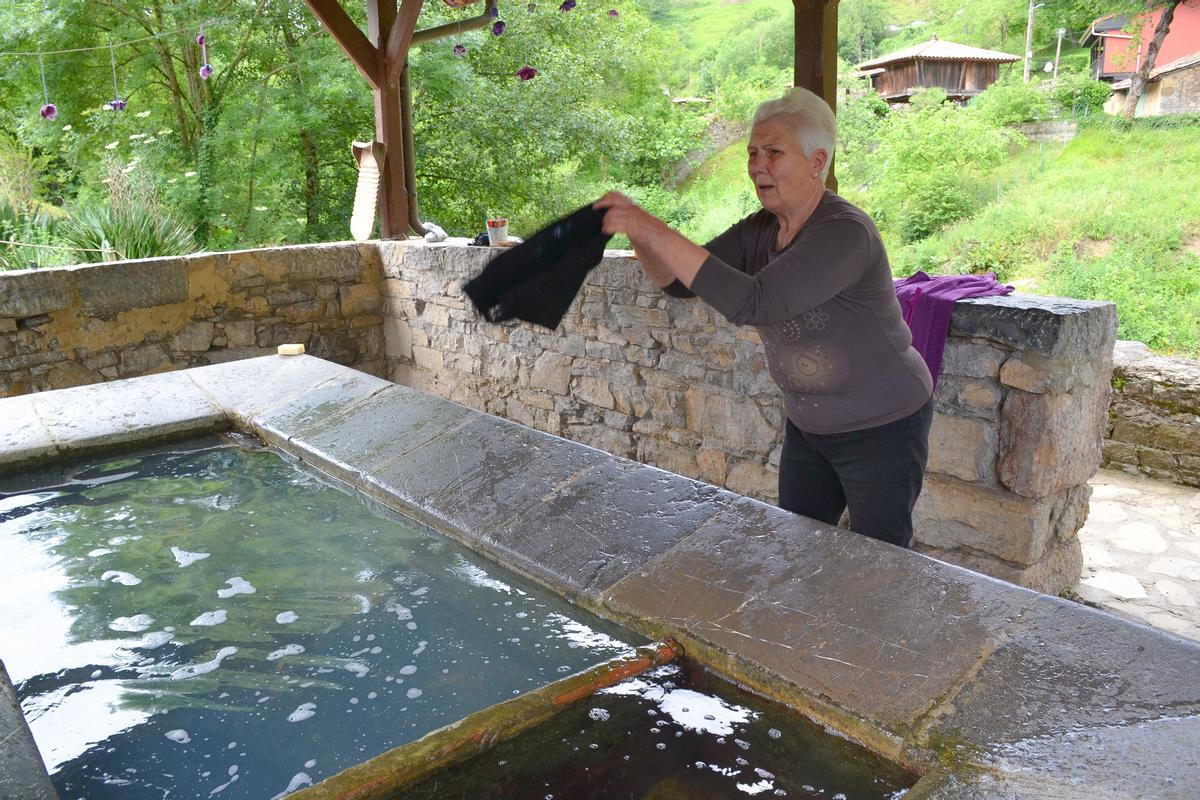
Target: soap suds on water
183, 557
210, 618
192, 670
298, 780
236, 586
123, 578
178, 735
134, 624
303, 711
286, 650
286, 617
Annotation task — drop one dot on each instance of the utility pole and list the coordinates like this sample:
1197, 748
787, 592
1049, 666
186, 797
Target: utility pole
1058, 49
1028, 41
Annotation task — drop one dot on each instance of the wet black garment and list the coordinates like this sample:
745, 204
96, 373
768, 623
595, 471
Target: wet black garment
537, 280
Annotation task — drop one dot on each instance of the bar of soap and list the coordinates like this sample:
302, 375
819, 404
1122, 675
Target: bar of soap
291, 350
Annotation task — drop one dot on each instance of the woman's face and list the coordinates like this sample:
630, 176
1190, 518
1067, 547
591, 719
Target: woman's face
783, 176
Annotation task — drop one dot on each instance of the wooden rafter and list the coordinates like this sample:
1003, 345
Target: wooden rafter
364, 54
816, 54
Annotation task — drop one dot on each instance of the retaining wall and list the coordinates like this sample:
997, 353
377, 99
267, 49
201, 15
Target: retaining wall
1154, 419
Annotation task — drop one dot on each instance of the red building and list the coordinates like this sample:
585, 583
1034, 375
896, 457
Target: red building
1118, 46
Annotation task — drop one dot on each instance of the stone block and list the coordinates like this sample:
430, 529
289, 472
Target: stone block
963, 447
968, 359
748, 477
28, 293
712, 464
974, 397
360, 298
250, 385
66, 374
1053, 327
1029, 373
194, 338
106, 289
7, 325
1050, 442
427, 358
308, 406
397, 337
316, 262
551, 371
142, 360
303, 311
731, 423
664, 455
952, 515
595, 391
240, 333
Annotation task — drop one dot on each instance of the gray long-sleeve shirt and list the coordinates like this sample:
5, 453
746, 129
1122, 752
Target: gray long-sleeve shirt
826, 309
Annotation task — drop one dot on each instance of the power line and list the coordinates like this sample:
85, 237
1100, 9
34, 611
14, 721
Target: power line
206, 24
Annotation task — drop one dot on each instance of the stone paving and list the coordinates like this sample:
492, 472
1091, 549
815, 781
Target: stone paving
1141, 552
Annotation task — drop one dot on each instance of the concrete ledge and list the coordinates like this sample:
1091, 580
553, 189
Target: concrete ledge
22, 773
992, 690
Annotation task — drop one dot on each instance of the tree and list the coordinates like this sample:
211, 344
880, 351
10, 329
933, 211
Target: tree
1137, 83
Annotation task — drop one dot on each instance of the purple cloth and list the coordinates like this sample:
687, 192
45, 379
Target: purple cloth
928, 303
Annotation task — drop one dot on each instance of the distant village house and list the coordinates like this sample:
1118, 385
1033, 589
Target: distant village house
961, 71
1119, 48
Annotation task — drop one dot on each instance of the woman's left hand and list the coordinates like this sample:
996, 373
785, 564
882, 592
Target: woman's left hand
627, 217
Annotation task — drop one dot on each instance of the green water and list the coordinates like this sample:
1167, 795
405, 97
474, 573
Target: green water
676, 733
213, 620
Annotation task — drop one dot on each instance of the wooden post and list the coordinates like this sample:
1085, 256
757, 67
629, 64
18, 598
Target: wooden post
816, 55
393, 200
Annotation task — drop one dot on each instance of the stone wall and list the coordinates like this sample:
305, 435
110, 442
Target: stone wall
1017, 434
1179, 92
77, 325
1020, 405
1154, 420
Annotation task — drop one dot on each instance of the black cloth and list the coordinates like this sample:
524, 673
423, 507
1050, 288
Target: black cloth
537, 280
877, 472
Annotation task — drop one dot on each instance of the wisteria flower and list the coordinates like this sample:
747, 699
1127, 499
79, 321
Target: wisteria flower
460, 50
527, 73
567, 5
200, 40
49, 111
494, 12
498, 28
115, 105
206, 71
612, 12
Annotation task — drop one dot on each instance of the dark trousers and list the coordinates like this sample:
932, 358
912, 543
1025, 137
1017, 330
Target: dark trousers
877, 472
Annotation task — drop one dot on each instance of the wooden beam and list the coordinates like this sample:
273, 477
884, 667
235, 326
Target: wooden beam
816, 55
346, 33
389, 129
395, 53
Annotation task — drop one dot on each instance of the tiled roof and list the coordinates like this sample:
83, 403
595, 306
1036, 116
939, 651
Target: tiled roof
937, 50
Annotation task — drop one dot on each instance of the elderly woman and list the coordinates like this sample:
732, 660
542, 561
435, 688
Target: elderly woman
810, 273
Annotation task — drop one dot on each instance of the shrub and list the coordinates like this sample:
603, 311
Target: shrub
933, 204
1010, 101
1078, 94
30, 228
134, 231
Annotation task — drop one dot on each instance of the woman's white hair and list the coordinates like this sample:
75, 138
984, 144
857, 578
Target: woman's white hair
811, 120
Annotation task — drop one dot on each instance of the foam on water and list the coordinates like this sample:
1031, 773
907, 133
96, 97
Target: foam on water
178, 735
192, 670
298, 781
303, 711
123, 578
286, 617
184, 558
210, 618
134, 624
286, 650
236, 586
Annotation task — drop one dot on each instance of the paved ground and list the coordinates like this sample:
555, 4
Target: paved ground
1141, 551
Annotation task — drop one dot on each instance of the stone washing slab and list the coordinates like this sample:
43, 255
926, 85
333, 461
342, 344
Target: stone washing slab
333, 398
374, 432
31, 292
23, 437
572, 517
249, 387
876, 630
123, 412
141, 283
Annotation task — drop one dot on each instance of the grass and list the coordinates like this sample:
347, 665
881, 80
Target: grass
703, 24
1114, 216
720, 192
